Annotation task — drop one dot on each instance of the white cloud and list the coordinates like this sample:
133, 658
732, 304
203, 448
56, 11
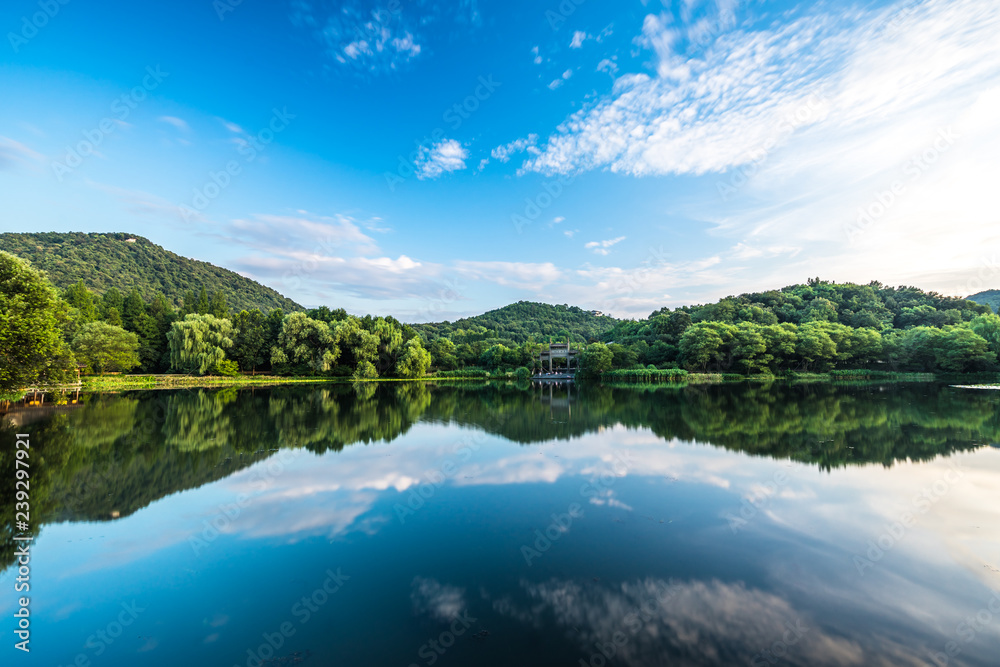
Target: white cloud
603, 247
806, 121
609, 66
178, 123
294, 234
538, 58
362, 34
13, 153
579, 37
232, 127
524, 275
556, 83
441, 158
504, 152
713, 113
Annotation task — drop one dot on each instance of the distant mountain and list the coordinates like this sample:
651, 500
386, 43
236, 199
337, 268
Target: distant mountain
127, 261
523, 320
989, 298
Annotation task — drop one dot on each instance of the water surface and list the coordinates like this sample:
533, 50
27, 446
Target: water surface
410, 524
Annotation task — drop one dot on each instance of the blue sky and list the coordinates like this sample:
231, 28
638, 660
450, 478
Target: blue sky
432, 161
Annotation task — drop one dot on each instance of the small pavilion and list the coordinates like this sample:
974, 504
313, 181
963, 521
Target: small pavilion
560, 351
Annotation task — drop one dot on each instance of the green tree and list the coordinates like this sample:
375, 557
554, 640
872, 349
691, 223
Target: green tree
443, 354
105, 347
250, 340
750, 349
79, 297
814, 346
365, 371
780, 340
112, 304
32, 350
493, 357
821, 310
198, 343
136, 319
305, 345
414, 361
203, 306
962, 350
864, 345
190, 304
163, 316
705, 343
622, 357
218, 305
358, 344
988, 326
595, 360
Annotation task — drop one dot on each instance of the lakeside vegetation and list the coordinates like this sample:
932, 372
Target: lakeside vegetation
47, 334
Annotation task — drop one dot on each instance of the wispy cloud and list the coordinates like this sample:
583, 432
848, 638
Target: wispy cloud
14, 153
362, 35
608, 66
503, 153
525, 275
231, 126
178, 123
441, 158
579, 37
711, 113
603, 247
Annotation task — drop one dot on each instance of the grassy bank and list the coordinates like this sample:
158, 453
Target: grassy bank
115, 382
618, 377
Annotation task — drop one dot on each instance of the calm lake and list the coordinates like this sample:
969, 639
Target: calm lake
412, 524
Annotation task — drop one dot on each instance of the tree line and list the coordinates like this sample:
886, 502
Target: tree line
46, 335
820, 326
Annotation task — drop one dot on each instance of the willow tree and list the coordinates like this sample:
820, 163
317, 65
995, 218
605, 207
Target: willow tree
414, 361
105, 347
305, 344
198, 343
32, 350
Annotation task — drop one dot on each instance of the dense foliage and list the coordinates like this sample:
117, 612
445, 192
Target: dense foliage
818, 326
127, 262
32, 349
105, 347
41, 332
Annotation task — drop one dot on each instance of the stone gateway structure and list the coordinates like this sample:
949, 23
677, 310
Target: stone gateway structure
559, 351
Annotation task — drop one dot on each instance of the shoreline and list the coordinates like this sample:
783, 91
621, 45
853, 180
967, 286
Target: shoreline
129, 382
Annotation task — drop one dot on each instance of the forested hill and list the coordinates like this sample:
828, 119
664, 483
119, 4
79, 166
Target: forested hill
520, 321
989, 298
126, 261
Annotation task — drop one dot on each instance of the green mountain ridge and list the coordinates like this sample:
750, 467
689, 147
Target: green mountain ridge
521, 321
127, 261
989, 298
